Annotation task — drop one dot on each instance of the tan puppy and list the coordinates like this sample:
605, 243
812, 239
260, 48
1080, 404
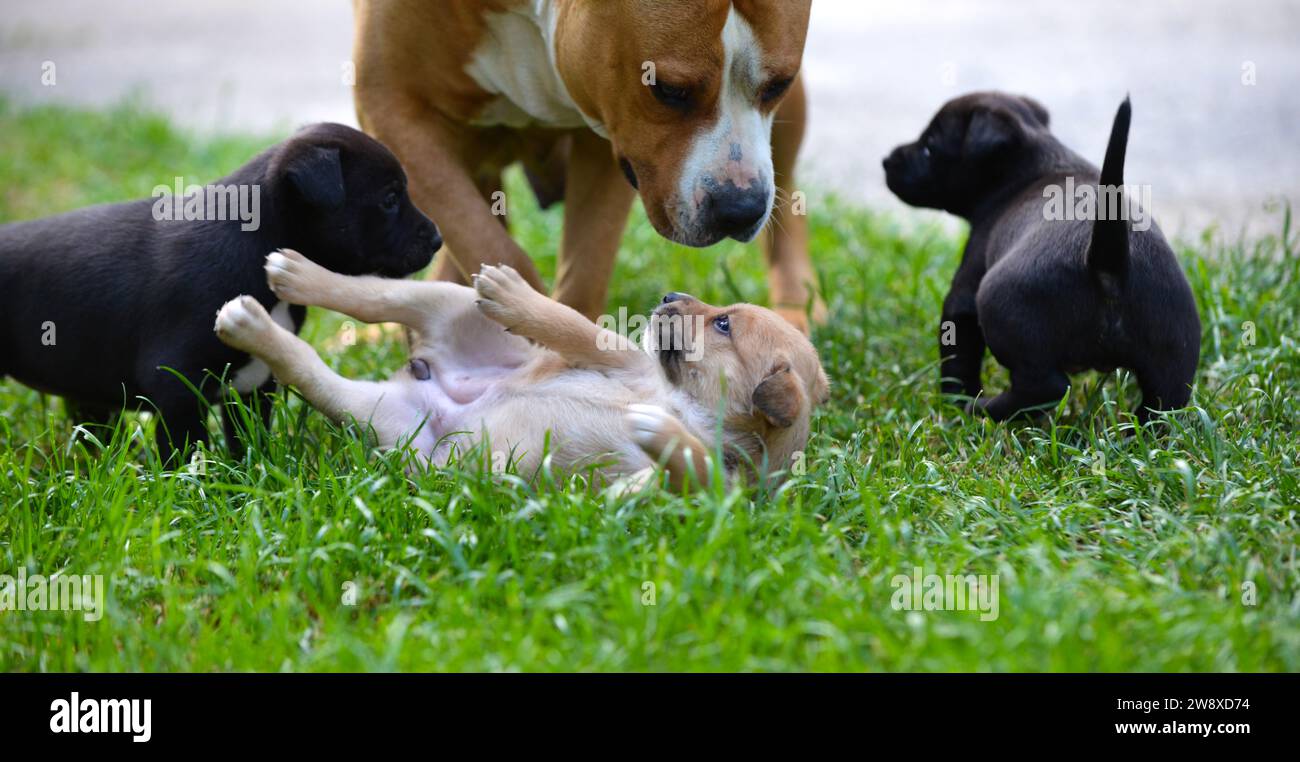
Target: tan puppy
601, 400
696, 104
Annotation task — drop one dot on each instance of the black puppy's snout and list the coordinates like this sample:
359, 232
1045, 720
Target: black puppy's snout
893, 161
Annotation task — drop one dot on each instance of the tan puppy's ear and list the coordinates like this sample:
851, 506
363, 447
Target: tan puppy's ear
822, 387
779, 397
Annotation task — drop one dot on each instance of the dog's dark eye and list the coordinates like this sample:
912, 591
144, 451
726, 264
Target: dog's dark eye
723, 324
670, 95
775, 89
390, 202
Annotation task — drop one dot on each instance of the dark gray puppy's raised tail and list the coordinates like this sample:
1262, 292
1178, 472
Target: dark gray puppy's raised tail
1109, 250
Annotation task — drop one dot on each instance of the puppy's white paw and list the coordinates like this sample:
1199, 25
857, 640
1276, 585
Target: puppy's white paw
244, 324
501, 283
294, 278
502, 294
650, 426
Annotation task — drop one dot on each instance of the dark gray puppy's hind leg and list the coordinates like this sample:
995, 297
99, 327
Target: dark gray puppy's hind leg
1031, 389
1161, 390
183, 426
98, 419
183, 413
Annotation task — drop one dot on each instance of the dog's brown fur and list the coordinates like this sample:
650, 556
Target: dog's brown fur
414, 93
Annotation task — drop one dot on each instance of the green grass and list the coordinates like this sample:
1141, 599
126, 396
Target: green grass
1116, 550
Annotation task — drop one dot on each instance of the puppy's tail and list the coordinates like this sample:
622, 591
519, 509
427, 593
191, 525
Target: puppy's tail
1109, 250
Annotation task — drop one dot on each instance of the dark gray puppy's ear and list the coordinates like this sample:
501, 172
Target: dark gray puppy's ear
316, 176
1038, 111
990, 131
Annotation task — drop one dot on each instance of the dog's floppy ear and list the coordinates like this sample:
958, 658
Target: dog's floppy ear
779, 396
989, 131
316, 176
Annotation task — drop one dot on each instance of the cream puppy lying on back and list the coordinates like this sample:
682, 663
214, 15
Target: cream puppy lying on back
604, 402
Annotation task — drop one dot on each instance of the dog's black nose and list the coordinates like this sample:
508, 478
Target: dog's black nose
673, 296
733, 211
431, 235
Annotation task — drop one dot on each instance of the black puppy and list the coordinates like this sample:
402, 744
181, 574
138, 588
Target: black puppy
1049, 293
97, 304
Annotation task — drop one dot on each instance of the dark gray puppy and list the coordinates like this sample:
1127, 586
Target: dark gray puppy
112, 306
1048, 291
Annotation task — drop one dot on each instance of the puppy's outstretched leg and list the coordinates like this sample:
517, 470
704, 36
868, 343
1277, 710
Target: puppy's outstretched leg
505, 297
666, 440
1030, 388
245, 325
370, 299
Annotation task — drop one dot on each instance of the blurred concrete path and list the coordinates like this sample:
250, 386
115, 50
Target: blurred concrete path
1212, 147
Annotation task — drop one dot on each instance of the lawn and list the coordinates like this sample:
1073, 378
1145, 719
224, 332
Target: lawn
1170, 548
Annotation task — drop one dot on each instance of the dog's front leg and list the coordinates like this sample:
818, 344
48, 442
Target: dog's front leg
961, 345
506, 298
597, 201
961, 340
437, 154
791, 279
668, 443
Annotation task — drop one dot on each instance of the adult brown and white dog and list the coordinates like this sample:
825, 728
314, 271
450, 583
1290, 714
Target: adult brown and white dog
696, 104
553, 382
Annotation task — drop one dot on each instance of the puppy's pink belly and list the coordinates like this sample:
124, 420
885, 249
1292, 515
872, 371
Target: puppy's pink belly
450, 401
464, 385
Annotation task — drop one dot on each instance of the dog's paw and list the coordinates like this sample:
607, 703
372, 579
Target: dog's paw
798, 315
794, 317
503, 294
651, 427
292, 277
244, 324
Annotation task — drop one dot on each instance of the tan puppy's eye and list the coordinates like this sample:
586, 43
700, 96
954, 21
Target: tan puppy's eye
723, 325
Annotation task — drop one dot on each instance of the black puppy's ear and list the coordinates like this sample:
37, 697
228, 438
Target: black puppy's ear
1038, 111
316, 176
779, 397
989, 131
